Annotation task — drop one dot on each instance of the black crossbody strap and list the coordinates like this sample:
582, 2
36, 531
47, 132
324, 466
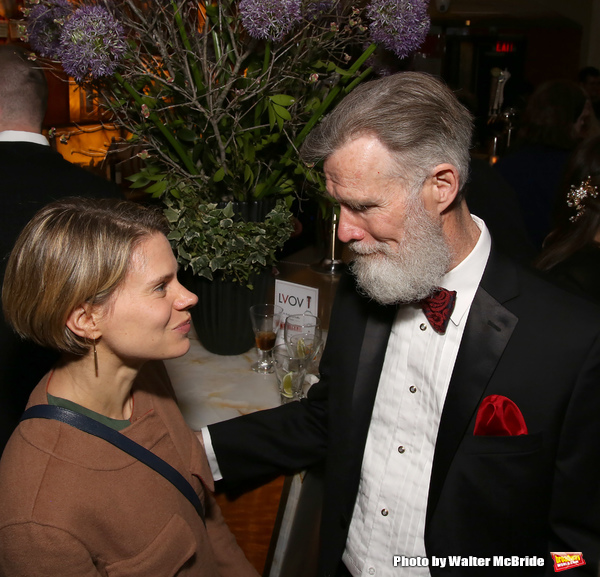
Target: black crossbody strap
120, 441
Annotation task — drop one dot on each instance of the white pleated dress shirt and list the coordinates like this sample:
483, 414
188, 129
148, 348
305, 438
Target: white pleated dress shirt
389, 513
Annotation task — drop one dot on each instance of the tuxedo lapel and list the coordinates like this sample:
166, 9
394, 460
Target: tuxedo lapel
372, 355
353, 362
488, 330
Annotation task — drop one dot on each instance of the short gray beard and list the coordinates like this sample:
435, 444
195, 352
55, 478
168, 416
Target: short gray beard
411, 272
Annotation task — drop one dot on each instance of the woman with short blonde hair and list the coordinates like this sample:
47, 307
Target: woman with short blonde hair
41, 286
97, 280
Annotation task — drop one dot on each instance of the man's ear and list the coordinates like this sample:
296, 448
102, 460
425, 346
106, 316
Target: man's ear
82, 322
445, 184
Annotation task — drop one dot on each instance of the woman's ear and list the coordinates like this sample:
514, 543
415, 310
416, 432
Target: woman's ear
82, 322
445, 185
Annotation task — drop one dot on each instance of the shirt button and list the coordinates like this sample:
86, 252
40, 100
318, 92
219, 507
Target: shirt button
385, 512
401, 449
412, 389
371, 571
423, 326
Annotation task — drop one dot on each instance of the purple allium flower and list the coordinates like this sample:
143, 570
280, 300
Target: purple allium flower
314, 10
44, 26
269, 19
92, 43
399, 25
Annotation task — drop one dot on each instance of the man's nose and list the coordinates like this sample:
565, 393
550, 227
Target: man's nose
348, 226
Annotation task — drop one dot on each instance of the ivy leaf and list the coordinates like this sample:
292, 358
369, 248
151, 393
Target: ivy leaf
172, 215
175, 235
217, 263
228, 210
182, 253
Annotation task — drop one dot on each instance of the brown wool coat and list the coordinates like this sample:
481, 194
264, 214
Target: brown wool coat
72, 505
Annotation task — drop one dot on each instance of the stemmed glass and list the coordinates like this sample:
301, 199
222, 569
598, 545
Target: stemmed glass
303, 337
265, 323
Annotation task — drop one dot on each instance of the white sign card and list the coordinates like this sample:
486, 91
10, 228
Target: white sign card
295, 299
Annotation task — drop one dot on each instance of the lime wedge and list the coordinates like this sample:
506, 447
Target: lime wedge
301, 348
286, 385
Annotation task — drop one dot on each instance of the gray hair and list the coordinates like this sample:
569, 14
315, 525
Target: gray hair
413, 114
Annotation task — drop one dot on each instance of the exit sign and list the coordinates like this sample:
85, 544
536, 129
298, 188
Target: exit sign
503, 46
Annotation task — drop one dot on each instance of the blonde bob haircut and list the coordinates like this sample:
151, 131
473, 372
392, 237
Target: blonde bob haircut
73, 251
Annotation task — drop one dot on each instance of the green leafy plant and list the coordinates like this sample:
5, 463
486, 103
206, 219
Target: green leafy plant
222, 93
211, 238
218, 95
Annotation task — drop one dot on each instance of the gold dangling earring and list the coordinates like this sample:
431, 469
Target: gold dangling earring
95, 358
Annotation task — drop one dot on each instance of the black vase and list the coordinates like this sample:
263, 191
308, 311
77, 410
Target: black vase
221, 317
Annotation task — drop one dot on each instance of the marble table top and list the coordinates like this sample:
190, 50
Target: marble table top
212, 388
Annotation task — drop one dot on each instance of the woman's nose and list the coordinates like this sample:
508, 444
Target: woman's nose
186, 299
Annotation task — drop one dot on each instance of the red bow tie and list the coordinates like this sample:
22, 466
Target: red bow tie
438, 307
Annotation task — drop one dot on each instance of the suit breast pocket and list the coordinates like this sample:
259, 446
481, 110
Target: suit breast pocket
166, 555
499, 487
482, 444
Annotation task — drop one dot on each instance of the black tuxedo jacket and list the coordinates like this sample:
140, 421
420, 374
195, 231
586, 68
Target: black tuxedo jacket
31, 176
521, 495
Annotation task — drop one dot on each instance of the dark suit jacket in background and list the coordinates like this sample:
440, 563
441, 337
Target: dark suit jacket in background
31, 176
535, 172
491, 198
580, 272
526, 495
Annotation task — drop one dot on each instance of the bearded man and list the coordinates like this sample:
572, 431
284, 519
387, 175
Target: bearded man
459, 425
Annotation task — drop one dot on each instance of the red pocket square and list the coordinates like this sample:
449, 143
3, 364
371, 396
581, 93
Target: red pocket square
499, 416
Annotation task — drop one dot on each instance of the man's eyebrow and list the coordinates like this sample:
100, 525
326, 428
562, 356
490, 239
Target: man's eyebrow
357, 204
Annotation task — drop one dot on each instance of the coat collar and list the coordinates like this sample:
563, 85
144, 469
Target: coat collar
71, 445
372, 354
22, 136
488, 330
147, 428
